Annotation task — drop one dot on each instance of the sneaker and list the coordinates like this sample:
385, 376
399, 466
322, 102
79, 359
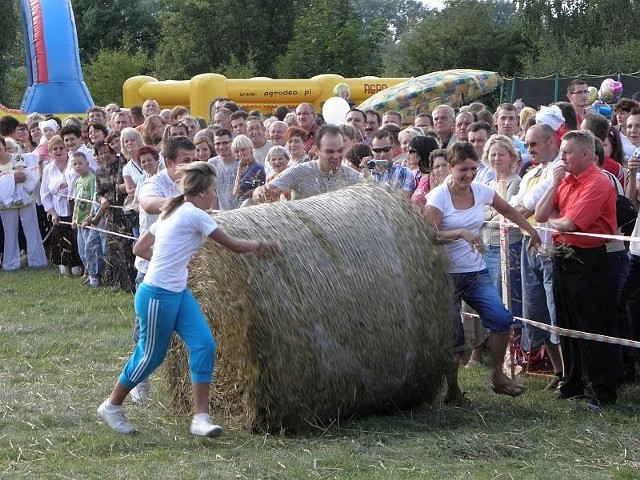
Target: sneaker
203, 426
140, 393
94, 282
473, 364
113, 415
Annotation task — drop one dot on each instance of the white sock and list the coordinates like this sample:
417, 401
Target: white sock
110, 407
201, 417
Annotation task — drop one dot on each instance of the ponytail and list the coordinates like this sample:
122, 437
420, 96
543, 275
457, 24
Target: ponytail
173, 203
196, 178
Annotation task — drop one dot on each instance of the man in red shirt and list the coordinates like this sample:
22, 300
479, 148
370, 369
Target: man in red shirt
582, 199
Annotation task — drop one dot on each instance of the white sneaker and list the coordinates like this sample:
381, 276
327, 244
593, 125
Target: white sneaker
140, 393
203, 426
113, 415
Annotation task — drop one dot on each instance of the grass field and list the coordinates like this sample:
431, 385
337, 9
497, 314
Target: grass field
62, 346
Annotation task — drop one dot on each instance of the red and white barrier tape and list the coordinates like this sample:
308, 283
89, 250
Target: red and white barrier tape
565, 332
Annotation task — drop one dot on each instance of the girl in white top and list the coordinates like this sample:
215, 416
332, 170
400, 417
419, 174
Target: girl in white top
456, 209
164, 304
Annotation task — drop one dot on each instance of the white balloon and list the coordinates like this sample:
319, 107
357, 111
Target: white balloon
335, 110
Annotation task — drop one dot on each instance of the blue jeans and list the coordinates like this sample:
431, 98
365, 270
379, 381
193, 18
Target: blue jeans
477, 289
537, 297
86, 250
492, 259
96, 249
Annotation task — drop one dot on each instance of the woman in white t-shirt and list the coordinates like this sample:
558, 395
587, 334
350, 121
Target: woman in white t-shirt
164, 304
456, 208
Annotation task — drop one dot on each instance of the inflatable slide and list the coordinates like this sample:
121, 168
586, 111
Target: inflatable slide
54, 76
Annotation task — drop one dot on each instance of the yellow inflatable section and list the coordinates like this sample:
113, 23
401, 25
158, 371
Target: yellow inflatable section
259, 93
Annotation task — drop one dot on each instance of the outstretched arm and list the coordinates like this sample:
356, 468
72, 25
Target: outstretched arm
242, 246
516, 217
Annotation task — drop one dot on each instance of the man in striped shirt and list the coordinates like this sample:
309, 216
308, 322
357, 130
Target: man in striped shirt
326, 174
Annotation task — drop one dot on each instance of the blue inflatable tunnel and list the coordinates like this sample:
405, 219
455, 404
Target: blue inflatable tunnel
54, 76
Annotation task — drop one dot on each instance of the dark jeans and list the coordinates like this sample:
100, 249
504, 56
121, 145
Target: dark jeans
580, 297
629, 326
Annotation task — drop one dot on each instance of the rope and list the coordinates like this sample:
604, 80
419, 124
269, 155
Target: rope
565, 332
102, 231
86, 200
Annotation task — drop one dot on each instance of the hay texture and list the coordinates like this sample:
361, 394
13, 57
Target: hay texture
351, 318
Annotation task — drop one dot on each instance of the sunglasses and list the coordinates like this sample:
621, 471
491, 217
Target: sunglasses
382, 149
411, 150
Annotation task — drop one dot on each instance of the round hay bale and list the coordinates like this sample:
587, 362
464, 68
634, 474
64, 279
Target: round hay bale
351, 318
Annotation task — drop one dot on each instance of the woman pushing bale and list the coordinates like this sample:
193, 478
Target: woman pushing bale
351, 318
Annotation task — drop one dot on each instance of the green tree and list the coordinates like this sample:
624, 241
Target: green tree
398, 15
114, 24
106, 74
186, 38
579, 36
208, 36
234, 68
10, 58
465, 34
14, 86
261, 28
330, 37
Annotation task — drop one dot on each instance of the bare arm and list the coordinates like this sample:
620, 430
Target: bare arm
268, 192
242, 246
143, 247
563, 225
434, 216
153, 204
546, 207
512, 214
130, 186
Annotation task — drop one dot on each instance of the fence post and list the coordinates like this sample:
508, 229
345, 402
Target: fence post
514, 81
556, 87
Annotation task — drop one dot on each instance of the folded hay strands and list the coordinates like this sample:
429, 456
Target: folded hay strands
351, 318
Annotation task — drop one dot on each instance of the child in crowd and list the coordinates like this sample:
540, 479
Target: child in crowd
72, 138
85, 190
22, 194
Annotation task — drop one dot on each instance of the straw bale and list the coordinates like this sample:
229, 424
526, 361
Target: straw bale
351, 318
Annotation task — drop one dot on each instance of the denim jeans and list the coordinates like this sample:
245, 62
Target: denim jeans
492, 259
537, 297
96, 249
477, 289
88, 260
